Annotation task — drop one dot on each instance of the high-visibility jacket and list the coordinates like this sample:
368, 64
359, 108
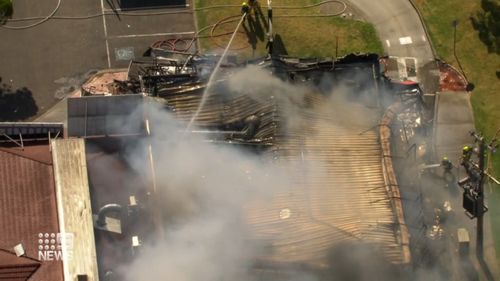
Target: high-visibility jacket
466, 154
446, 163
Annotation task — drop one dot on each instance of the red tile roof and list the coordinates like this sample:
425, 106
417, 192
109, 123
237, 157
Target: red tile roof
28, 204
13, 267
39, 153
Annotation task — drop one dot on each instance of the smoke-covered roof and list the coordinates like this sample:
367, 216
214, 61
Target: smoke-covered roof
346, 200
315, 119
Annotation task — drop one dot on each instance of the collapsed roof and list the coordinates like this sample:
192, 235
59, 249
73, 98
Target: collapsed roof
352, 203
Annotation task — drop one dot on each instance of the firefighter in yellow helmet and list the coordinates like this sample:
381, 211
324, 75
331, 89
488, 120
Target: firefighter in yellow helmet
446, 164
245, 8
466, 154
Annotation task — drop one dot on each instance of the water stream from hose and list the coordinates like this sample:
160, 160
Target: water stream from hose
206, 93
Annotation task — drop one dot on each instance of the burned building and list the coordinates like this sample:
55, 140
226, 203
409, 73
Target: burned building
348, 201
332, 204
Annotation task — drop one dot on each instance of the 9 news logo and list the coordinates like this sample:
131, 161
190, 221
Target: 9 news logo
55, 246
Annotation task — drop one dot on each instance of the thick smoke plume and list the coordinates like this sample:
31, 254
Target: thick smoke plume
204, 189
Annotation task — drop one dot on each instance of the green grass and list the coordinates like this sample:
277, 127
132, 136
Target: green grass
479, 65
480, 68
302, 37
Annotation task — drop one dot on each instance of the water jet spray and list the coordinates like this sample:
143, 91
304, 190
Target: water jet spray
209, 83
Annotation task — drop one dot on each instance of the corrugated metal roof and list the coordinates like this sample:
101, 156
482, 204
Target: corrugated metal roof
105, 116
28, 207
348, 202
13, 267
338, 193
37, 152
220, 110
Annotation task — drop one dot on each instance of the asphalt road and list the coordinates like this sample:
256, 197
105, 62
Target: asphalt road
399, 27
55, 57
402, 35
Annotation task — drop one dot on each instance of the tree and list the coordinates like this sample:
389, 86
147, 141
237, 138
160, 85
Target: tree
6, 10
487, 23
16, 104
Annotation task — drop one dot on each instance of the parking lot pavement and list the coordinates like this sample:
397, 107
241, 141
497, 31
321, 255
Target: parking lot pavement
130, 36
56, 56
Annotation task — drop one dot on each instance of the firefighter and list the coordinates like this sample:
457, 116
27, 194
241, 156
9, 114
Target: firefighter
466, 154
245, 8
447, 167
446, 164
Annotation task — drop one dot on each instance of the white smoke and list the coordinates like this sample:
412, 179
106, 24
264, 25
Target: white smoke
204, 189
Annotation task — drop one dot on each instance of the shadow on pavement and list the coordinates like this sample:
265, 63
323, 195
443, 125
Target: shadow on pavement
254, 27
260, 15
17, 104
486, 270
470, 271
259, 31
278, 46
114, 7
250, 32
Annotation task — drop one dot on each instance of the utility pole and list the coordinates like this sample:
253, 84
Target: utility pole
473, 184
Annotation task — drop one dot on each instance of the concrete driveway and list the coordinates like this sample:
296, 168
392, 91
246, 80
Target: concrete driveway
403, 37
399, 27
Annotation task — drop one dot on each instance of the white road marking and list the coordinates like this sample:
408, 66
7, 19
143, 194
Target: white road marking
423, 38
105, 33
388, 43
405, 40
151, 35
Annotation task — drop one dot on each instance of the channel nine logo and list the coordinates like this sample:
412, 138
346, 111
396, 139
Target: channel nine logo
51, 245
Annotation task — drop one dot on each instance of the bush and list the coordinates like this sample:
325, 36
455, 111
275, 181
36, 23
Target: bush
6, 10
